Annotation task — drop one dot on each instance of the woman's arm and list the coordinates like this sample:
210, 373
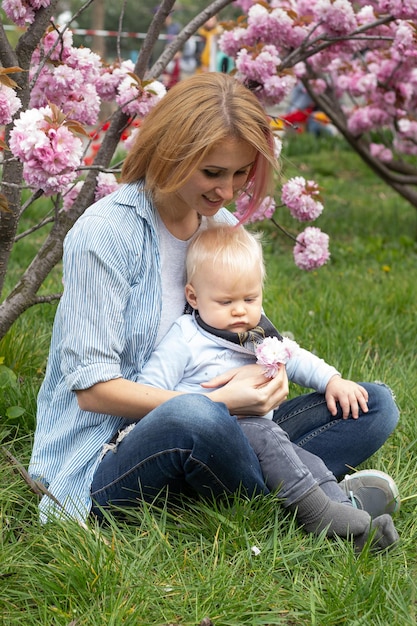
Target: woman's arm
245, 391
123, 398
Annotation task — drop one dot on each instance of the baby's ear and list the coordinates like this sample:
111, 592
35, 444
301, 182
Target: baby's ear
191, 295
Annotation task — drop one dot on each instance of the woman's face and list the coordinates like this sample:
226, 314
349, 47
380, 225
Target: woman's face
219, 177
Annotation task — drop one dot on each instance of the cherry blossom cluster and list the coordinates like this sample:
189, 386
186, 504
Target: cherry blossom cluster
312, 249
363, 52
66, 76
76, 81
265, 210
68, 85
302, 198
106, 183
49, 150
23, 12
135, 97
273, 352
9, 104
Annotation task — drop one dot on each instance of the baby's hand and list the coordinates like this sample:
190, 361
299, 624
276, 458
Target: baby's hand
350, 396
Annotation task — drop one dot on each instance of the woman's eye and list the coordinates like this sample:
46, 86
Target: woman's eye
210, 174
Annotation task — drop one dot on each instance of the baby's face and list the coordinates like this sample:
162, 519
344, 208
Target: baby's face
228, 301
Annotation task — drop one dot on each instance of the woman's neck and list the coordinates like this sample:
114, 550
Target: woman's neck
179, 220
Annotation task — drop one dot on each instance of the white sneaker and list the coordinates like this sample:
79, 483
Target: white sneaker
372, 491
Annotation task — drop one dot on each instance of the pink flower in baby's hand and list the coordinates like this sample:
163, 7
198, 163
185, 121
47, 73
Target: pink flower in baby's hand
271, 352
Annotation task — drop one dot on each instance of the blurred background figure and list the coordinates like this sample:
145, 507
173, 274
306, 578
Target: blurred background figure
188, 60
209, 57
172, 73
302, 113
207, 46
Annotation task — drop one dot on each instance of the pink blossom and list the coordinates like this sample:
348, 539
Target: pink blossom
71, 195
337, 16
23, 12
111, 77
54, 45
9, 104
406, 138
312, 249
231, 41
400, 9
19, 12
264, 211
319, 85
70, 84
380, 151
106, 183
50, 152
273, 25
277, 147
366, 118
276, 88
300, 196
272, 352
244, 4
258, 68
137, 100
128, 142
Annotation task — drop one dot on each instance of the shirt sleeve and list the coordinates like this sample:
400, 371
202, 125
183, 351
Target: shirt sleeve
308, 370
96, 291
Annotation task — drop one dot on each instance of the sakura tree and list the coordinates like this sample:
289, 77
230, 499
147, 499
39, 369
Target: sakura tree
54, 146
356, 60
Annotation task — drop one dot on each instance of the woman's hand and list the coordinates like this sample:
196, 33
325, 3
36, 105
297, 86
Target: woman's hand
348, 394
246, 391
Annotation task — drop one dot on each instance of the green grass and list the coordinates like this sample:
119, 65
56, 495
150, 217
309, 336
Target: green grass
178, 566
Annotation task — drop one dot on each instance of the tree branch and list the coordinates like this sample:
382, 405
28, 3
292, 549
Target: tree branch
170, 50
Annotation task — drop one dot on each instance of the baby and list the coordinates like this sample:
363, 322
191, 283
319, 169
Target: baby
227, 329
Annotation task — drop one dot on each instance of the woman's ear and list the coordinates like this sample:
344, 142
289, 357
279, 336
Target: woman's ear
191, 295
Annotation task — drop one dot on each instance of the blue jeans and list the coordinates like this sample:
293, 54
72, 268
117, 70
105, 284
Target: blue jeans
340, 443
192, 445
187, 445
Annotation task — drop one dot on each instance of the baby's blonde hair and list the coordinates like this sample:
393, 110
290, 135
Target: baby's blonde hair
221, 248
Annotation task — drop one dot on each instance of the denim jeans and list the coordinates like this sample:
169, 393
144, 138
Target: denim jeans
187, 445
192, 445
340, 443
288, 470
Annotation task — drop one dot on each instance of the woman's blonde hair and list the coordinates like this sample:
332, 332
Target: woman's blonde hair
225, 248
190, 120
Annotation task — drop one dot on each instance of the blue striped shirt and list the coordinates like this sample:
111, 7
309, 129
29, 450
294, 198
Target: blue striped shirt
105, 328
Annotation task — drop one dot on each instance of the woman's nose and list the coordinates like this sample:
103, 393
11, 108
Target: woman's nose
225, 190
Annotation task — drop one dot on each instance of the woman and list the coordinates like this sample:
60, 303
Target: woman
207, 141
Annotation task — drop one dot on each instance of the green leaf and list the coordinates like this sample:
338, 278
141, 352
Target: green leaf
14, 411
7, 377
